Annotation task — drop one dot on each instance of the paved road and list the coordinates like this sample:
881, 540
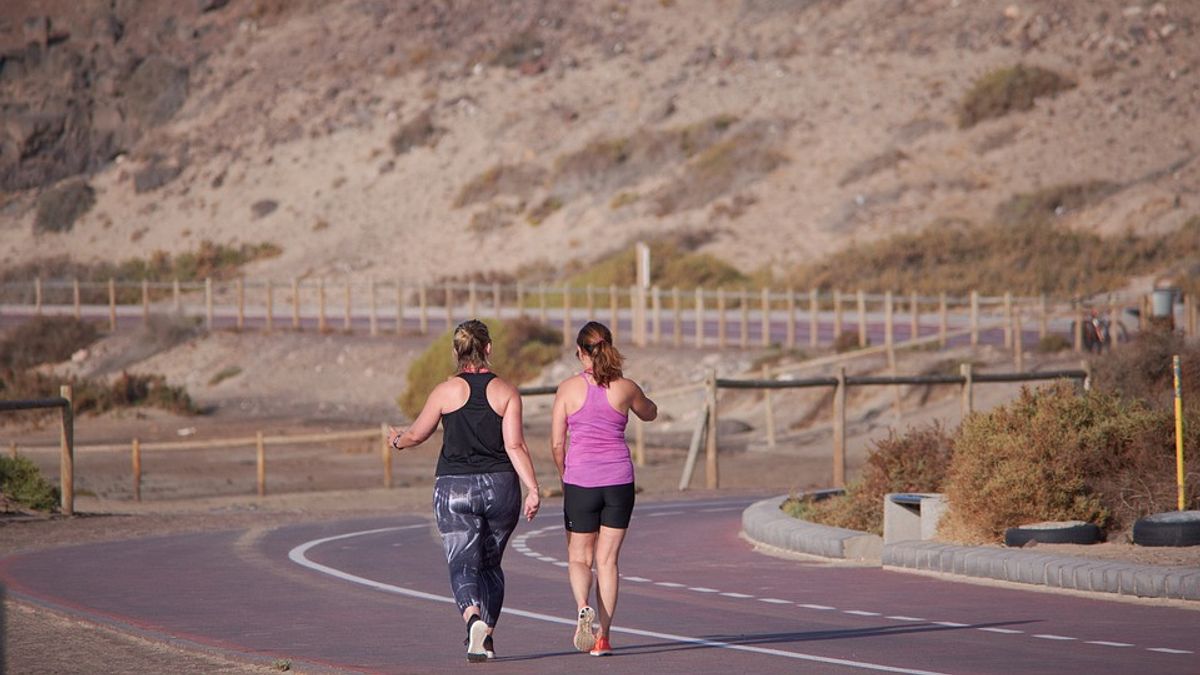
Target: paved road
372, 596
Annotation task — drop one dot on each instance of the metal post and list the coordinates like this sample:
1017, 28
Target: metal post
1179, 472
711, 469
67, 452
839, 429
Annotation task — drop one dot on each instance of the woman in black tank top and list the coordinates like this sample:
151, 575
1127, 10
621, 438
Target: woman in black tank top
480, 470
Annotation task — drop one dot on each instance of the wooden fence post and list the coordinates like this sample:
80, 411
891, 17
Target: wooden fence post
112, 305
240, 285
497, 300
744, 325
374, 320
914, 309
863, 339
711, 469
145, 302
766, 318
346, 320
943, 320
137, 470
542, 302
676, 318
1008, 319
78, 304
1018, 344
968, 390
974, 318
423, 300
637, 297
790, 333
449, 292
839, 429
295, 303
37, 296
566, 315
656, 313
208, 303
387, 455
1043, 317
270, 310
321, 325
889, 327
66, 464
814, 318
399, 308
699, 305
1114, 331
591, 302
614, 308
12, 449
837, 314
720, 318
261, 447
472, 301
770, 409
1078, 329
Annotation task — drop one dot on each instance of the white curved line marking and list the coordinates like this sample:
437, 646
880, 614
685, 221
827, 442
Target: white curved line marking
297, 555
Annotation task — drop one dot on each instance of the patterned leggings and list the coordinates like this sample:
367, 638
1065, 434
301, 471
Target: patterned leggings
476, 514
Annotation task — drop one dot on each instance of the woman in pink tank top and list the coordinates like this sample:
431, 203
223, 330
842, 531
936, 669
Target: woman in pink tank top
591, 410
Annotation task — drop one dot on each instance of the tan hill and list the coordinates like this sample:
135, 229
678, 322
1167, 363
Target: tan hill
419, 140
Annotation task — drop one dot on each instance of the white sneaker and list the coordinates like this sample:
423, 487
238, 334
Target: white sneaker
585, 639
476, 633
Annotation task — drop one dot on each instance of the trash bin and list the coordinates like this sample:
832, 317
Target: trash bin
1162, 302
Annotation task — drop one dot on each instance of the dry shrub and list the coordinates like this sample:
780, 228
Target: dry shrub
915, 462
98, 396
59, 207
45, 340
520, 349
1043, 205
724, 167
1050, 455
674, 262
1141, 370
1008, 90
544, 210
519, 180
873, 165
847, 341
417, 132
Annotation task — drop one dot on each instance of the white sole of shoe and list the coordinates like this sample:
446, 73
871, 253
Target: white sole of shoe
585, 639
475, 651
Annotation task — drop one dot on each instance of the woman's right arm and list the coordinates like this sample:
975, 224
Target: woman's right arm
558, 432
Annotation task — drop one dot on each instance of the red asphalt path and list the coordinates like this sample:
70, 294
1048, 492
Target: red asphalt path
373, 596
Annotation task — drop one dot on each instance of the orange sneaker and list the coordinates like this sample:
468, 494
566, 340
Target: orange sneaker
602, 647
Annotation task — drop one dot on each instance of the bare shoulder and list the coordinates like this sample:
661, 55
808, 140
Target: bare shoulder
572, 383
501, 386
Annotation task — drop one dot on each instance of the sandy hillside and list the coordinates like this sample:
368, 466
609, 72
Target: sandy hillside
413, 140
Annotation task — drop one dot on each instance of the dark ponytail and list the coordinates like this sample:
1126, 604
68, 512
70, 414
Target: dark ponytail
471, 339
596, 341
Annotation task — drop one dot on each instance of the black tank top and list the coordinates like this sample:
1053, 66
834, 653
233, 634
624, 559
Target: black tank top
472, 437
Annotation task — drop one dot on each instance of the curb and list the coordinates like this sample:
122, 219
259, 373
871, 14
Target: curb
763, 522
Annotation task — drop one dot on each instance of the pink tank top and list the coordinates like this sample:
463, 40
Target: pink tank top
597, 454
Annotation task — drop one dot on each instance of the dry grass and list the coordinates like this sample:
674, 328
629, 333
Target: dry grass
44, 340
722, 168
1007, 90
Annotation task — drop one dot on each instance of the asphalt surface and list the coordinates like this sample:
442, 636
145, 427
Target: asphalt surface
373, 596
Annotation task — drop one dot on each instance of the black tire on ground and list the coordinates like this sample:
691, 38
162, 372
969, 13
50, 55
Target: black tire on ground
1174, 528
1069, 532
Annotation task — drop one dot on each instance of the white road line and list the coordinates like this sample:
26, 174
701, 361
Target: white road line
859, 612
775, 601
663, 513
546, 558
668, 584
561, 564
1005, 631
737, 595
821, 607
637, 579
951, 624
297, 555
701, 589
1104, 643
722, 510
1167, 650
1047, 636
903, 618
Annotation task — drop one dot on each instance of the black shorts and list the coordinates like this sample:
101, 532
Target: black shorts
585, 509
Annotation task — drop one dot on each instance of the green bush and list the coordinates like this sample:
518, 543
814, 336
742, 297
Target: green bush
1008, 90
23, 483
915, 462
1056, 455
520, 349
45, 339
